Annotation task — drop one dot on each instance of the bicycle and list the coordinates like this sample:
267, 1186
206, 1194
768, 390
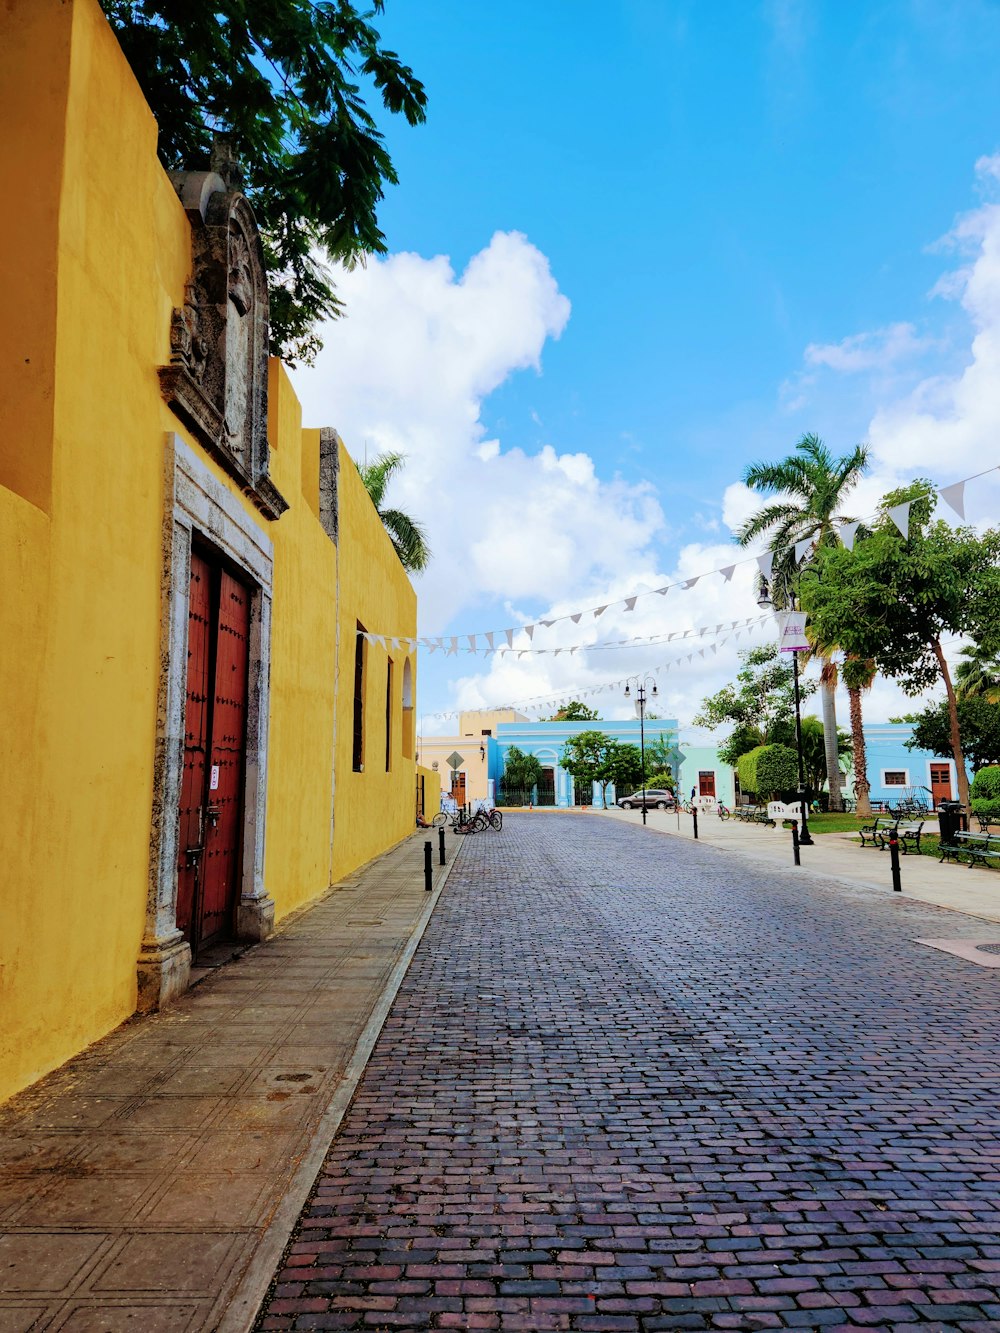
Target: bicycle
724, 811
474, 823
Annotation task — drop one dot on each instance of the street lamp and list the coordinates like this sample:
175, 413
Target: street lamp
640, 703
765, 604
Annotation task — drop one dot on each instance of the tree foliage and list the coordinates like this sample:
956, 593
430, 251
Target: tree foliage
978, 674
813, 748
521, 772
408, 537
593, 756
756, 705
574, 711
285, 83
891, 600
978, 723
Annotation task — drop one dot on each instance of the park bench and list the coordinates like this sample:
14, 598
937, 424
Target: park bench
779, 811
978, 847
871, 831
906, 831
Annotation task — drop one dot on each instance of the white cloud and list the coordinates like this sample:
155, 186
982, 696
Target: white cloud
408, 369
877, 350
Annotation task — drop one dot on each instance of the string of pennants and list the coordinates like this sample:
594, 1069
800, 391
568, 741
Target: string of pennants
451, 646
550, 700
502, 640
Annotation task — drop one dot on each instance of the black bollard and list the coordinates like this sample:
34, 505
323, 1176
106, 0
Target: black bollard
795, 842
428, 859
897, 884
441, 844
694, 816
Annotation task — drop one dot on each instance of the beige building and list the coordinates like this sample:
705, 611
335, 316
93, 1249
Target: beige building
466, 763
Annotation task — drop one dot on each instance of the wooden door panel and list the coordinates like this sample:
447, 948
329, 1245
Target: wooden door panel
195, 740
228, 739
940, 783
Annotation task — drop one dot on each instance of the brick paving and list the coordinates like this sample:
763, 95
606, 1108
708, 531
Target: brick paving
632, 1083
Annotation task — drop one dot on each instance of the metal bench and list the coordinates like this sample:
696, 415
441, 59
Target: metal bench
907, 833
871, 832
978, 847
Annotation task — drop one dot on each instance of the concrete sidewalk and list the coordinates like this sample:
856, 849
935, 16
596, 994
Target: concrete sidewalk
151, 1183
840, 856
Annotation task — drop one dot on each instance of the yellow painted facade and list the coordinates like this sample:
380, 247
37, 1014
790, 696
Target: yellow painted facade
96, 251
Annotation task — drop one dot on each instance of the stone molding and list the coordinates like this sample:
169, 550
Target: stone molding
216, 381
198, 504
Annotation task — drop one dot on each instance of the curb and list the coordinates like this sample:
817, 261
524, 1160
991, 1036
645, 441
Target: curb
242, 1309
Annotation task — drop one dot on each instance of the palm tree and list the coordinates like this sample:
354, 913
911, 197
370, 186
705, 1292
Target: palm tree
809, 487
858, 674
407, 536
978, 677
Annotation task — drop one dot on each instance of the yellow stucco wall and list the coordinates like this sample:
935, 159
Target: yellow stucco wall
373, 808
96, 254
432, 791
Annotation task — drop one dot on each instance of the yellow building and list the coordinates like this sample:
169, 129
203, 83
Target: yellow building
195, 738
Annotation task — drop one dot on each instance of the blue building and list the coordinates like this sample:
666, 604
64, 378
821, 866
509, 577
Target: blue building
546, 740
895, 771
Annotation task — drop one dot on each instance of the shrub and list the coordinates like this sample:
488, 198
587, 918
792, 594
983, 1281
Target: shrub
777, 770
985, 805
986, 785
768, 771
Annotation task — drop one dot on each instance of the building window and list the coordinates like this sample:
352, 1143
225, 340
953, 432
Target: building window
360, 651
388, 715
895, 777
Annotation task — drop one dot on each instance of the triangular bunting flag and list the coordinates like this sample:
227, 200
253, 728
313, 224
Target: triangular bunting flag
453, 643
727, 573
380, 640
900, 515
439, 643
530, 631
472, 642
576, 619
765, 563
600, 610
629, 603
663, 591
954, 497
689, 583
489, 638
802, 547
848, 531
510, 637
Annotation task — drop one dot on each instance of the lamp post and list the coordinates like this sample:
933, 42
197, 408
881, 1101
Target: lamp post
765, 604
640, 703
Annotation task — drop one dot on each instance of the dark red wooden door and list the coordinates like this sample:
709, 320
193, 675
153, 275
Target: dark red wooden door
228, 737
940, 783
214, 748
196, 713
706, 783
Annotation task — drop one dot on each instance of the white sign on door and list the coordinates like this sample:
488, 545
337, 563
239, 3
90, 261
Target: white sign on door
213, 782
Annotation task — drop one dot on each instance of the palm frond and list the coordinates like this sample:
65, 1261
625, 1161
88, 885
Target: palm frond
377, 474
409, 539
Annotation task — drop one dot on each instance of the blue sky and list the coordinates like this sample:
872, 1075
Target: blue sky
743, 206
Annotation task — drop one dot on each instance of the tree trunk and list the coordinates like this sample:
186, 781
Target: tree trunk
862, 786
828, 690
956, 735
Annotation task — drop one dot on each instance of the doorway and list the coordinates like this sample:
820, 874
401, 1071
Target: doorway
706, 782
208, 869
458, 787
940, 783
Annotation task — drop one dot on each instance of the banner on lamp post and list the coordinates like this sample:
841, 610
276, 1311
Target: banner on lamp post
793, 632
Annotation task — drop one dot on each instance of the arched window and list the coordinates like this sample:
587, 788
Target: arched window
408, 728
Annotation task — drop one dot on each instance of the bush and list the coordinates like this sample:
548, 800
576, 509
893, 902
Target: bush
777, 771
986, 785
768, 771
985, 805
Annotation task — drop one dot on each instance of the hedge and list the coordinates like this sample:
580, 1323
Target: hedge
768, 770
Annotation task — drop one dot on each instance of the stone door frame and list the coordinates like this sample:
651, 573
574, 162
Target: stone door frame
198, 504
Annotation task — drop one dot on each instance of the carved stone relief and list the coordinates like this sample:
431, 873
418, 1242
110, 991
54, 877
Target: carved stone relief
216, 381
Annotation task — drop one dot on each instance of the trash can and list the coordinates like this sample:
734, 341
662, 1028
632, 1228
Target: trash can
951, 818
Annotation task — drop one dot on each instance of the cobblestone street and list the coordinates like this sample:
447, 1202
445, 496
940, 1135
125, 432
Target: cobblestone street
635, 1083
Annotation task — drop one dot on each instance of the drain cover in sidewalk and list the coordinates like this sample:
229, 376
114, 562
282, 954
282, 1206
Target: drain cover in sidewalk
984, 952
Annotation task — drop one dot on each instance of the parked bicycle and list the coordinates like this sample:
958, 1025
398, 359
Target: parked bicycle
724, 811
463, 821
